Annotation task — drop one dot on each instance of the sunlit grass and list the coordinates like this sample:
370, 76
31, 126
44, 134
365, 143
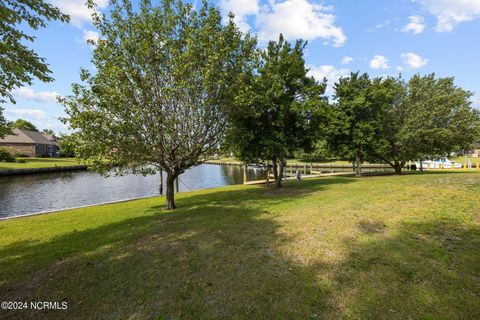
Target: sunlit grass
39, 163
465, 160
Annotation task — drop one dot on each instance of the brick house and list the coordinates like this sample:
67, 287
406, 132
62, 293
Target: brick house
31, 143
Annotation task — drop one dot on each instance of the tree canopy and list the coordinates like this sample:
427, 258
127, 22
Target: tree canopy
355, 119
19, 64
166, 75
424, 118
275, 111
391, 120
24, 124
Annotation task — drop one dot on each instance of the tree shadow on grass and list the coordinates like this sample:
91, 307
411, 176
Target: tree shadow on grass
214, 257
424, 270
439, 172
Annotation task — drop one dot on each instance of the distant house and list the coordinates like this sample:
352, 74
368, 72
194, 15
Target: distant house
31, 143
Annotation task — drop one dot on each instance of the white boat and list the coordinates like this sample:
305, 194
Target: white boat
442, 163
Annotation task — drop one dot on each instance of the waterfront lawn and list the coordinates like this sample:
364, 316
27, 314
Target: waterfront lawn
39, 163
462, 160
389, 247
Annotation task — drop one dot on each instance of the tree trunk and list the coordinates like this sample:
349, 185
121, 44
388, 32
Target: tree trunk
358, 160
160, 188
170, 201
398, 167
244, 173
421, 165
275, 169
278, 179
268, 173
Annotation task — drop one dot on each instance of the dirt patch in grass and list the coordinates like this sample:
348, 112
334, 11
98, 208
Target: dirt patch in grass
369, 226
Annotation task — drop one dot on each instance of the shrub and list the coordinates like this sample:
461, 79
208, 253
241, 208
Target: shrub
6, 156
21, 161
21, 155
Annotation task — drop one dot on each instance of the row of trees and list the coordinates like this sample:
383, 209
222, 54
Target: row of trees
173, 85
392, 121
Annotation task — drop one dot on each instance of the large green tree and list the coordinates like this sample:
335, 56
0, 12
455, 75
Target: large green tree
443, 120
393, 146
19, 64
275, 112
165, 75
424, 118
355, 120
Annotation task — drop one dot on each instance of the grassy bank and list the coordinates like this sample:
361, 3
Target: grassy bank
462, 160
39, 163
392, 247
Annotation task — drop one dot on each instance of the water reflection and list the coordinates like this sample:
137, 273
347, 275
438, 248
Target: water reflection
53, 191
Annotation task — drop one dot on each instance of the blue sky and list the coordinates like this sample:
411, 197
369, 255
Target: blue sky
381, 37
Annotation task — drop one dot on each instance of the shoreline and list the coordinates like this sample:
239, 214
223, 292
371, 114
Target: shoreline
24, 171
26, 215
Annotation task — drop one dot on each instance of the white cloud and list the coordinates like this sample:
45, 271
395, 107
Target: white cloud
413, 60
347, 60
449, 13
28, 113
379, 62
329, 72
379, 26
241, 9
294, 18
416, 25
30, 94
77, 10
90, 35
475, 102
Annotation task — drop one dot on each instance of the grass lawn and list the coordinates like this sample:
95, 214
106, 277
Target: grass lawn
462, 160
39, 163
386, 247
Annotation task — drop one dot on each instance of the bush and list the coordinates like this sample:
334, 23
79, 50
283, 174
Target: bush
21, 161
6, 156
21, 155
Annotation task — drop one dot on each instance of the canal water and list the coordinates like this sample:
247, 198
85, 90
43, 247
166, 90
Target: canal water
54, 191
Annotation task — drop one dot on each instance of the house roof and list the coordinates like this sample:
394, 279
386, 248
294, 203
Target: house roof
29, 137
